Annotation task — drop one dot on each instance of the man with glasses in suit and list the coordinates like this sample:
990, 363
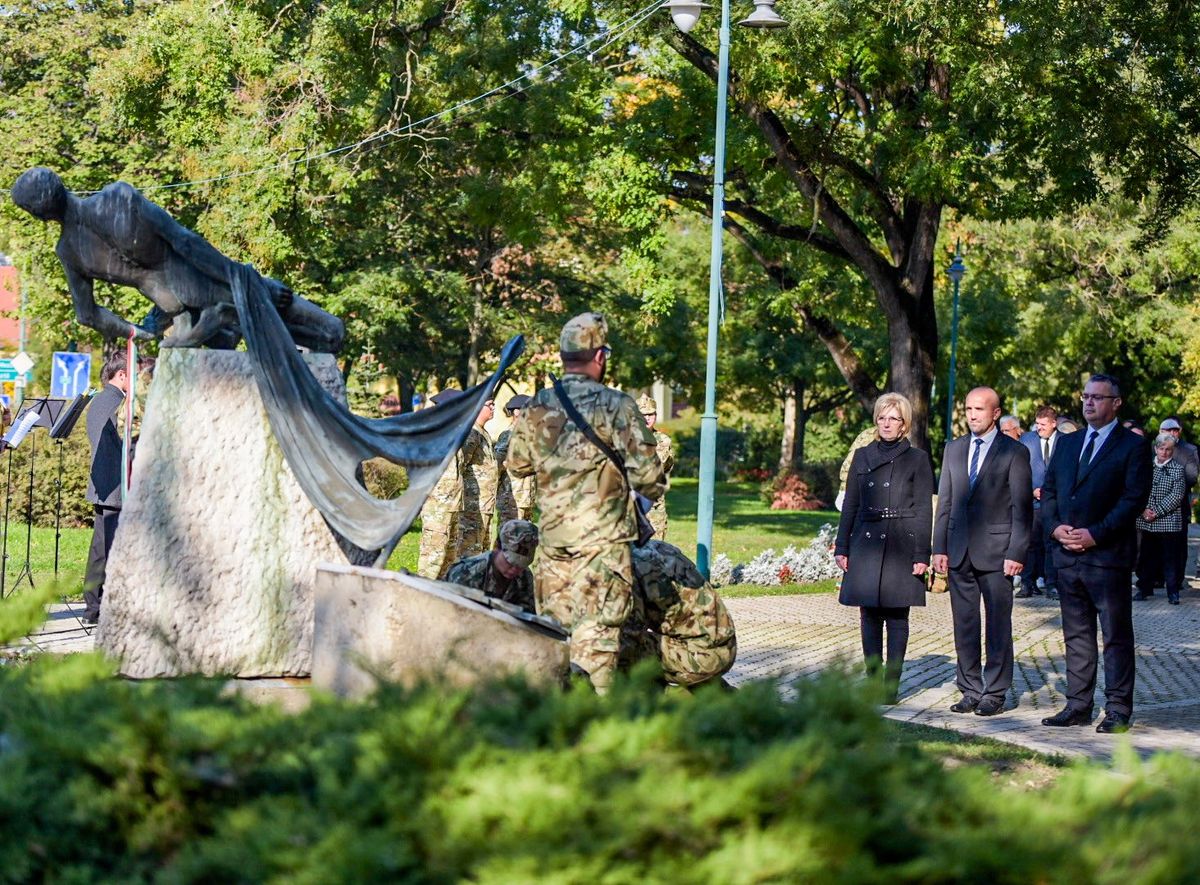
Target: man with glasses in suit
1095, 487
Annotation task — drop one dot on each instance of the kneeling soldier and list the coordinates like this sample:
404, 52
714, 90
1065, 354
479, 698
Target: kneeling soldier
503, 572
678, 617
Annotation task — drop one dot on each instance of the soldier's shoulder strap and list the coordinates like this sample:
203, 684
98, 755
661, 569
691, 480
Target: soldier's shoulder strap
584, 427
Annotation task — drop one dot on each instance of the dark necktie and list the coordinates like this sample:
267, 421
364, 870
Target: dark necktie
973, 474
1086, 458
1045, 451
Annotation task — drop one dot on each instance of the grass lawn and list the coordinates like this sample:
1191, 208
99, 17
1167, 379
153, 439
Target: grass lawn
1009, 764
72, 557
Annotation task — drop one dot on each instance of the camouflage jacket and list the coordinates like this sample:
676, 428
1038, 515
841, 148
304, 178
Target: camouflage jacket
480, 473
512, 493
583, 498
665, 451
447, 496
677, 598
476, 571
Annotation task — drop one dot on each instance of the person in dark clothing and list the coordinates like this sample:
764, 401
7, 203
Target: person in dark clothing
104, 481
883, 536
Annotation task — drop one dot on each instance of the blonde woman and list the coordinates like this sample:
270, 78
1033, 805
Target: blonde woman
883, 536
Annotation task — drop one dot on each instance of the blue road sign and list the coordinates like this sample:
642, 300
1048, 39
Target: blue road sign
8, 372
72, 372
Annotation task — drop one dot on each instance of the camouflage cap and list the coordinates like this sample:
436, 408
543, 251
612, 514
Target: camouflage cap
646, 405
584, 332
518, 541
519, 401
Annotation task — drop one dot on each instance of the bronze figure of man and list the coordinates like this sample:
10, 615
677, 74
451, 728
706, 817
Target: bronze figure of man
119, 236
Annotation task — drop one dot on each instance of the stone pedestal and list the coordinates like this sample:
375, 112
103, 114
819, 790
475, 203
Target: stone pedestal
371, 623
214, 562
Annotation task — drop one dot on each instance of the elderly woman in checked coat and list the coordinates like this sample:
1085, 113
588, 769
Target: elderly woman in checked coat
1161, 528
884, 535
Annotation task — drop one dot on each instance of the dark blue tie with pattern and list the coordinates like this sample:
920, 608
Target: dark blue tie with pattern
973, 474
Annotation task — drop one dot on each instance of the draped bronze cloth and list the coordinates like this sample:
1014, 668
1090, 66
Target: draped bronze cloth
324, 442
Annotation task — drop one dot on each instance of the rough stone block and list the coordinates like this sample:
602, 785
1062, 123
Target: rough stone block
403, 627
214, 561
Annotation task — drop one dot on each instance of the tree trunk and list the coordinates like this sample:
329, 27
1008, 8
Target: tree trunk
912, 336
795, 419
405, 388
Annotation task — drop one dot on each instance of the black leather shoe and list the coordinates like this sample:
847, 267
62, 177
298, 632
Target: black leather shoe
1051, 593
966, 705
1024, 593
90, 618
1173, 598
1067, 717
989, 707
1142, 595
1113, 723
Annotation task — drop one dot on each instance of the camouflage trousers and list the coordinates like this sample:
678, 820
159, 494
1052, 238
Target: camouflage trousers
474, 532
687, 628
439, 544
658, 518
589, 592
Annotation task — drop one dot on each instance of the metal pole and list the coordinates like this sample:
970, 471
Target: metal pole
955, 272
708, 421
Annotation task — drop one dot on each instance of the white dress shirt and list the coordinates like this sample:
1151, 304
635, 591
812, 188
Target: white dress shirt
1104, 432
988, 438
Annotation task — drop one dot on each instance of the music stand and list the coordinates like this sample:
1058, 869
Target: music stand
42, 412
59, 431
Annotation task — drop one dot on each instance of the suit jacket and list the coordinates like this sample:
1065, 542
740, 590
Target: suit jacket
1105, 497
991, 522
104, 480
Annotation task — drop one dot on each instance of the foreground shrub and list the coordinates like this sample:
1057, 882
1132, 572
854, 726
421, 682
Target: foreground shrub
102, 779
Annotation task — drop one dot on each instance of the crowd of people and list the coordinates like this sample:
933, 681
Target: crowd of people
1072, 514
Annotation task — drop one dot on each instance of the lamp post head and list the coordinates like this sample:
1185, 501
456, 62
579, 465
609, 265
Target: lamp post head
685, 13
764, 16
957, 269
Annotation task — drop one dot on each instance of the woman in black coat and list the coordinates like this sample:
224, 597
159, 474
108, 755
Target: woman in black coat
883, 537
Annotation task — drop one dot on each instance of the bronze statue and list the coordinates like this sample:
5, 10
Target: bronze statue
119, 236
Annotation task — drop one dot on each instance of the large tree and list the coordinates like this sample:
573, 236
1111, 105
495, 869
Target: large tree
854, 130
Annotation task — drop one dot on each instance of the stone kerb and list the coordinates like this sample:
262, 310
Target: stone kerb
372, 624
214, 561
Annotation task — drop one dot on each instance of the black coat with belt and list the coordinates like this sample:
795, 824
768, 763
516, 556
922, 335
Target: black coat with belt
104, 480
992, 520
887, 518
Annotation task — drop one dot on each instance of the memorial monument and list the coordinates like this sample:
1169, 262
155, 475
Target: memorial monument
248, 467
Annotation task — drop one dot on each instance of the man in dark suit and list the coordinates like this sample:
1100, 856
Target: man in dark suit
1096, 485
1041, 443
104, 481
981, 535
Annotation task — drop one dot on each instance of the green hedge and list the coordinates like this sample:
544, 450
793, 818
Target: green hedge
44, 451
102, 779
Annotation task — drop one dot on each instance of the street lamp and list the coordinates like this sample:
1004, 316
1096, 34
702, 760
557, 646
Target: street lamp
685, 14
955, 271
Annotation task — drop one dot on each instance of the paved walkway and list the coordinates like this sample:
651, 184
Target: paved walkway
798, 636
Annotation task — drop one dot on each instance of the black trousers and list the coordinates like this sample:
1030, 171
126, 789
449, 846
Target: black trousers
872, 620
104, 527
968, 587
1161, 559
1039, 558
1088, 594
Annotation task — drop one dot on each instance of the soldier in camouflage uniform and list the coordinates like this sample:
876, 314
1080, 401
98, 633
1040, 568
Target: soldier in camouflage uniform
515, 498
677, 617
585, 571
441, 512
666, 456
502, 573
480, 474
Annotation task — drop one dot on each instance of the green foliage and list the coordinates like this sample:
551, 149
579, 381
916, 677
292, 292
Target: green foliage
76, 465
182, 781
